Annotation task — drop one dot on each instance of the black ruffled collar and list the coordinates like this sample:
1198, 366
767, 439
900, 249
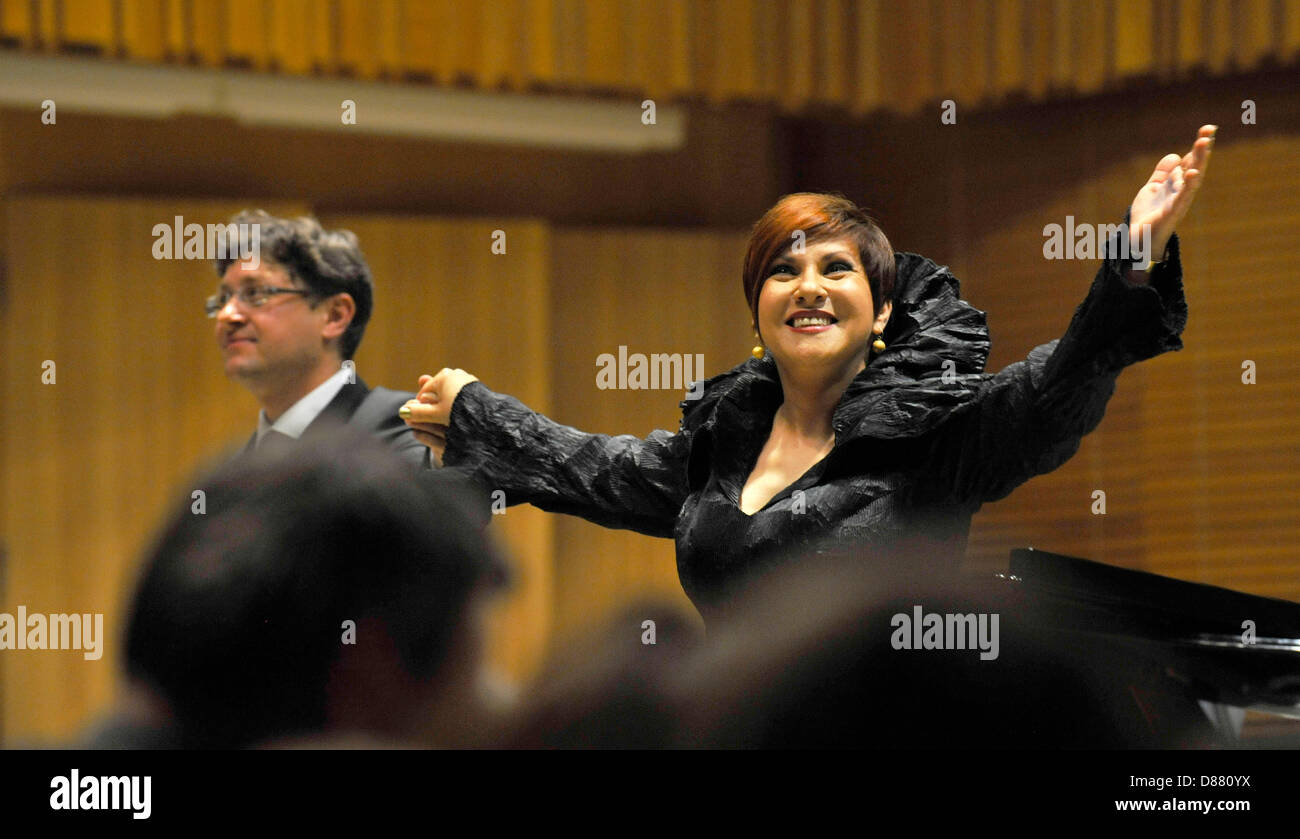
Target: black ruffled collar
905, 391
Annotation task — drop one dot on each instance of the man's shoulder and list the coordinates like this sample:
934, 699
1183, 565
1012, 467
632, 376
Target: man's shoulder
379, 408
377, 415
383, 394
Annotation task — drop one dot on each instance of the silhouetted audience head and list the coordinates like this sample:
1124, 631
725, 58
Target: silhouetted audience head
809, 657
327, 598
605, 687
322, 590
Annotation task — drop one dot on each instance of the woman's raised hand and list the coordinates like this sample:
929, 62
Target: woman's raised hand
429, 413
1168, 194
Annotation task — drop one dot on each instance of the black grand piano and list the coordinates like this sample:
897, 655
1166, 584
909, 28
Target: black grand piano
1191, 662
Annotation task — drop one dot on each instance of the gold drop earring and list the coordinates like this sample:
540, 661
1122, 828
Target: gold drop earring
757, 351
879, 344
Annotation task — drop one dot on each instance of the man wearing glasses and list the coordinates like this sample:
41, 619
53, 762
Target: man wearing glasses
288, 329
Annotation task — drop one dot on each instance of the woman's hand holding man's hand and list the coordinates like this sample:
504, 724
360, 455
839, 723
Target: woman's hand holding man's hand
429, 413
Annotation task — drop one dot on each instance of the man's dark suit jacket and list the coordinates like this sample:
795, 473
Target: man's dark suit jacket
379, 419
374, 412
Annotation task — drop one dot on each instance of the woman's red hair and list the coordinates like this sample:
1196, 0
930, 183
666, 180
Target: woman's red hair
820, 216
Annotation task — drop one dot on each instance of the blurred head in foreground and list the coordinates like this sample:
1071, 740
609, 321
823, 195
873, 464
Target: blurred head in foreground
321, 593
606, 686
822, 653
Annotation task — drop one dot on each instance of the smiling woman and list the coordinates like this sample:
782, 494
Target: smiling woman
818, 441
818, 278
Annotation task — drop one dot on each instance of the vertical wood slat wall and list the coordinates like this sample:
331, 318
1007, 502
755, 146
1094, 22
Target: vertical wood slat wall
81, 500
859, 55
1202, 472
92, 463
1030, 301
651, 291
444, 299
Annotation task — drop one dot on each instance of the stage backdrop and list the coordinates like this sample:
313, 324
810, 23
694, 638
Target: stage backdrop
138, 403
1201, 471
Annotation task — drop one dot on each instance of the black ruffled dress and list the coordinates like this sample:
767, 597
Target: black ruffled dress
923, 436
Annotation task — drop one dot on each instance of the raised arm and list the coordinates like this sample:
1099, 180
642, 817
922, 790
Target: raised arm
1029, 418
614, 481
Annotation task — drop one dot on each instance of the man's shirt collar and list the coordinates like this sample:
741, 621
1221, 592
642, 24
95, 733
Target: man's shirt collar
294, 421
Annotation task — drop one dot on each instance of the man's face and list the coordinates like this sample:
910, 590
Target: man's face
276, 341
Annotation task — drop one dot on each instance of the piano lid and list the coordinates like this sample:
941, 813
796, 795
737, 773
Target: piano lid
1200, 632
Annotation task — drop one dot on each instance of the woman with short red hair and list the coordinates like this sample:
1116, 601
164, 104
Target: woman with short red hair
865, 416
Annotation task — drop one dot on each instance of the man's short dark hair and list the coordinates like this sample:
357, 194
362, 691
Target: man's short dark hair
327, 262
240, 613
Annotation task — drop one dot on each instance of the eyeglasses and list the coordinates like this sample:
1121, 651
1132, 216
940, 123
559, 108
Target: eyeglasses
252, 296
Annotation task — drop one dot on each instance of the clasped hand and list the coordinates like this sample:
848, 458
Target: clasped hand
429, 413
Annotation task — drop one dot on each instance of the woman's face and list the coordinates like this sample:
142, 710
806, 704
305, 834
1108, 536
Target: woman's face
815, 308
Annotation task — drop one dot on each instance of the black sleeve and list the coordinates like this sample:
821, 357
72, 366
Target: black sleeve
1029, 418
621, 482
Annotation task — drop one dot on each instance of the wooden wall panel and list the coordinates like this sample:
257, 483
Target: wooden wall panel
1062, 62
443, 299
734, 60
1201, 471
539, 39
358, 31
1219, 34
1257, 26
48, 22
1226, 509
568, 43
650, 291
976, 59
502, 32
91, 462
1190, 17
1030, 301
907, 71
388, 16
323, 38
797, 47
953, 37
